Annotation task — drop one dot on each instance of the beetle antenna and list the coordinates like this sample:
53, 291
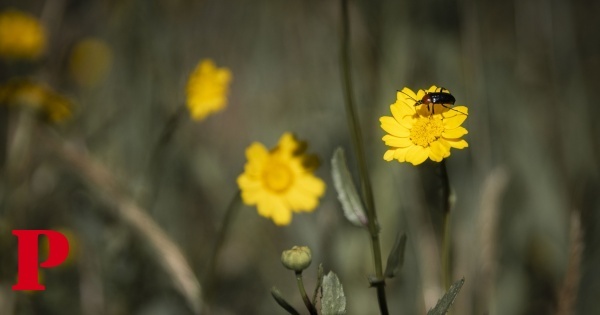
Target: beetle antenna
456, 110
410, 98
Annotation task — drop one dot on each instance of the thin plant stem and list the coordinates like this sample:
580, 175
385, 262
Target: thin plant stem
155, 167
282, 302
311, 308
209, 276
359, 151
446, 235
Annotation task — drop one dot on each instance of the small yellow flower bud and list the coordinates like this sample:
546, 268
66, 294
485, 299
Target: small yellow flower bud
298, 258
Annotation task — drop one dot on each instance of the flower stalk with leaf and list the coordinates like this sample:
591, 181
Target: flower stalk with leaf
378, 281
417, 132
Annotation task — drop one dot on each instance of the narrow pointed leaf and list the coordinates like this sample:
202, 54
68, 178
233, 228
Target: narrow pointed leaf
333, 301
282, 302
347, 194
396, 258
446, 301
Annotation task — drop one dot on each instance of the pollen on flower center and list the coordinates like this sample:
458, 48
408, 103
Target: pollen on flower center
278, 177
426, 130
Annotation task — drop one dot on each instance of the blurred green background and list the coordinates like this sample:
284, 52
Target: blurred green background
525, 223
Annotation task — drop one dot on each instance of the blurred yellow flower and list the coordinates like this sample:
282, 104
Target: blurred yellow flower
415, 133
40, 98
21, 35
207, 89
90, 61
280, 181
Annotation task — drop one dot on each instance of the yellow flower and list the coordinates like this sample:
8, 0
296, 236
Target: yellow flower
21, 36
42, 99
415, 133
90, 61
280, 181
207, 89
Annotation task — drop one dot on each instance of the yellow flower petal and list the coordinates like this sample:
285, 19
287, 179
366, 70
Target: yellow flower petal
407, 96
397, 141
417, 155
252, 196
389, 155
391, 126
263, 206
245, 182
456, 110
458, 144
401, 109
454, 121
280, 213
312, 184
454, 133
256, 151
406, 122
400, 154
282, 218
438, 151
298, 201
434, 157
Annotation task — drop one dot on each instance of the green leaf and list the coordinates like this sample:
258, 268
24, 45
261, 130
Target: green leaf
446, 301
395, 259
333, 301
282, 302
348, 196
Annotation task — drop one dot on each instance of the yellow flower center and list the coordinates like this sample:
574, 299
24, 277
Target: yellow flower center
278, 176
426, 130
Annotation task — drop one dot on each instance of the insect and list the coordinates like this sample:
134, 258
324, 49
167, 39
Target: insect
443, 97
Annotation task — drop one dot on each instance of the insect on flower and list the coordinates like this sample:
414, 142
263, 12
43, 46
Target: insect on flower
443, 97
415, 134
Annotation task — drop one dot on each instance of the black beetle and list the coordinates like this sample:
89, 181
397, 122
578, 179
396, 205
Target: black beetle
432, 98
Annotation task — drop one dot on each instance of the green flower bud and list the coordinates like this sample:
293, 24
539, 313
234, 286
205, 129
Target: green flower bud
298, 258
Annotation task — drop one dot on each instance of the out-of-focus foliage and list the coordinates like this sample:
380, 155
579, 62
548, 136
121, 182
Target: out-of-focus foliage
36, 97
528, 72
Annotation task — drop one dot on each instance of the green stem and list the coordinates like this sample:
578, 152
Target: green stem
282, 302
155, 164
311, 308
446, 235
356, 135
209, 276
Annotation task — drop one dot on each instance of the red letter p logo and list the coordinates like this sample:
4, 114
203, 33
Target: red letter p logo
28, 256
